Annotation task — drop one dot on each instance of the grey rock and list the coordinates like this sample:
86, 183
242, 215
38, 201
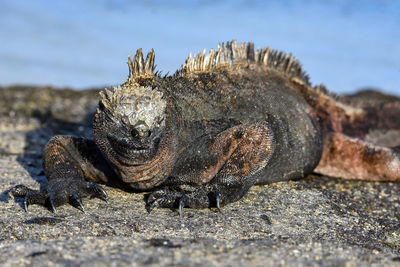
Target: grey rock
310, 222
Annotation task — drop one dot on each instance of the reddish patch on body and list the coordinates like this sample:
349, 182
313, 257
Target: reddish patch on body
241, 151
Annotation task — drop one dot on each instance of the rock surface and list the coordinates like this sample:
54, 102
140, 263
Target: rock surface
313, 221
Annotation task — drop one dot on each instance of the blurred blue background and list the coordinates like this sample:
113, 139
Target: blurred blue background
346, 45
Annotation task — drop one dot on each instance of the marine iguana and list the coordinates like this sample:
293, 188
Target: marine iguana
203, 136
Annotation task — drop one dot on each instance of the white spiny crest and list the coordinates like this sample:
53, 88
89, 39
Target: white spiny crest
140, 68
135, 105
232, 54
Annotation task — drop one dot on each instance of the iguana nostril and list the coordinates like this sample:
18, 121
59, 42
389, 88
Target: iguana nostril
142, 130
134, 133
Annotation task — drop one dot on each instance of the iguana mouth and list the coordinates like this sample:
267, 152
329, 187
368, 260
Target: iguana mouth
131, 150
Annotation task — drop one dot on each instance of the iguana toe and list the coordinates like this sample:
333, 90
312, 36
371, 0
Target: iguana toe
20, 190
155, 204
33, 197
96, 190
166, 199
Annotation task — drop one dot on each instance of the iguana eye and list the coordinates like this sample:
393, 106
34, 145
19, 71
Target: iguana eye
157, 140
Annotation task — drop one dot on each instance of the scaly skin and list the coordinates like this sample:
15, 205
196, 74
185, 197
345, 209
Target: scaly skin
222, 123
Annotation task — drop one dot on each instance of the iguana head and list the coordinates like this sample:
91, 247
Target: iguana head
129, 123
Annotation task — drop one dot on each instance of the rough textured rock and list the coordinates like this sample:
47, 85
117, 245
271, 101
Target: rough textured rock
313, 221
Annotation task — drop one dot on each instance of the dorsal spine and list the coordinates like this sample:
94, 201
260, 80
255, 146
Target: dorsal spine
232, 54
140, 68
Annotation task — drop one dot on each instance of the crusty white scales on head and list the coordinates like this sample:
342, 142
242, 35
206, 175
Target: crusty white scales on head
223, 122
140, 107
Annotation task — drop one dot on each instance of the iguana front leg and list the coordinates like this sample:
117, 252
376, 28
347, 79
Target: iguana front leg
67, 162
239, 154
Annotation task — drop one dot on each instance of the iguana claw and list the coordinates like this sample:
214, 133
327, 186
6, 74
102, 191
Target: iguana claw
76, 200
25, 205
218, 199
181, 204
52, 206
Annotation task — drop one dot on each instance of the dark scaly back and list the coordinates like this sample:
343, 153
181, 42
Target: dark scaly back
233, 59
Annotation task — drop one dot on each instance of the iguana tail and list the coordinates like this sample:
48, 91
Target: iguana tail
362, 140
